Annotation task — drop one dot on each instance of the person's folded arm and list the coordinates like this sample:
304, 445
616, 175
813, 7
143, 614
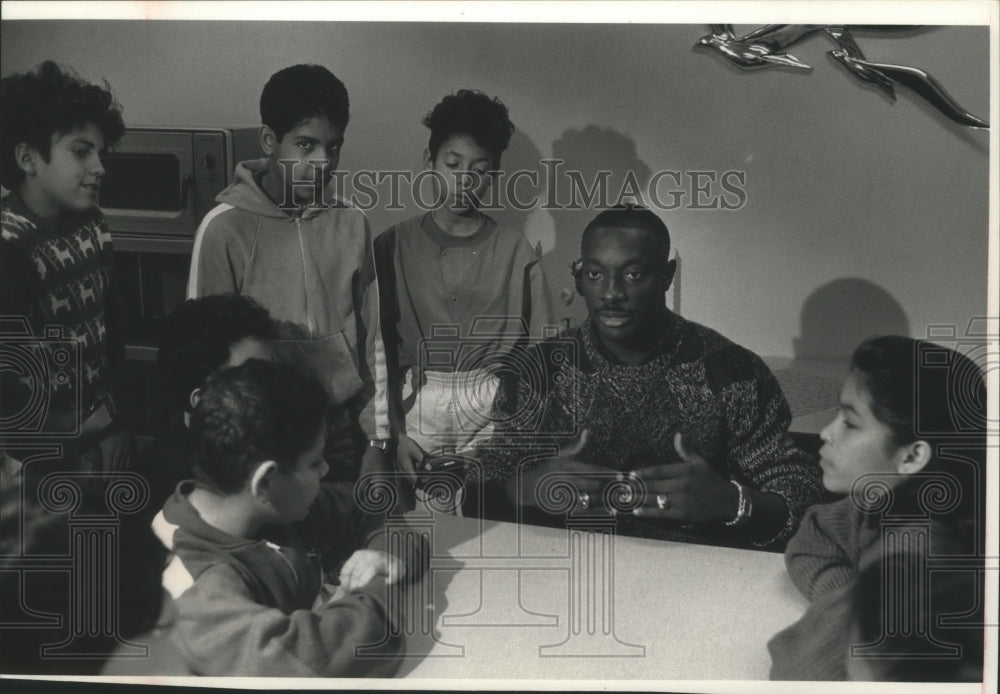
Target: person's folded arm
819, 557
222, 632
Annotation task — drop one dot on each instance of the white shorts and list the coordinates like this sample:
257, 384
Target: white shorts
451, 411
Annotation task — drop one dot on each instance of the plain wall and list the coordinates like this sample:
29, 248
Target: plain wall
861, 216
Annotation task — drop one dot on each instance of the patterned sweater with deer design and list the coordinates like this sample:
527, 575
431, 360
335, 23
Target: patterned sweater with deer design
55, 290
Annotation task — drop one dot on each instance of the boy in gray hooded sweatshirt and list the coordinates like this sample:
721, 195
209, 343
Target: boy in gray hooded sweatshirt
280, 236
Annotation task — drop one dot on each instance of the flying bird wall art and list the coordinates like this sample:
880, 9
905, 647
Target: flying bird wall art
766, 46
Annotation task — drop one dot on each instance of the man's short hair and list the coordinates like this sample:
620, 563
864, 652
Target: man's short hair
624, 216
252, 413
631, 217
34, 106
195, 340
472, 113
303, 91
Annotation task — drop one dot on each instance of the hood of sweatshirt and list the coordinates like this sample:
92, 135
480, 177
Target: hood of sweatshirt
245, 193
278, 576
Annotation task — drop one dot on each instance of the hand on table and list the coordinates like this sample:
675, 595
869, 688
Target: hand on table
690, 490
365, 564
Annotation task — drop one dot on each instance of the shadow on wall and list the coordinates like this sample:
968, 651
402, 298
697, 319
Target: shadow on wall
600, 168
516, 190
841, 314
521, 196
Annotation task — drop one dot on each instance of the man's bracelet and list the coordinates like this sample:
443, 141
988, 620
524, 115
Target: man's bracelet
745, 507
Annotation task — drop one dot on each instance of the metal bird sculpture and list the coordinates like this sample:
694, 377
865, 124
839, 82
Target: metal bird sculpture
746, 54
925, 86
778, 37
850, 56
765, 46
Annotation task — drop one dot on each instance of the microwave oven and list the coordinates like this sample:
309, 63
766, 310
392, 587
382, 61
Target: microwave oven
159, 182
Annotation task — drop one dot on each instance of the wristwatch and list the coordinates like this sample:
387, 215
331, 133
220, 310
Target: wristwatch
379, 443
744, 508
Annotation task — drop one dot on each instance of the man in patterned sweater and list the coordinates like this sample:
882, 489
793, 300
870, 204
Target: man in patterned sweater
696, 423
56, 255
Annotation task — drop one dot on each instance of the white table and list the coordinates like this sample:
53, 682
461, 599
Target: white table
501, 596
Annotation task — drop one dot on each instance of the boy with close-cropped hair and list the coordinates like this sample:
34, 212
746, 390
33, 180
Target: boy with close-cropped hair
56, 257
256, 538
280, 236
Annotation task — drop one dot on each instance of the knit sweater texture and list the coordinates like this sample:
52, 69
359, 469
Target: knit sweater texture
58, 276
834, 543
721, 397
823, 559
